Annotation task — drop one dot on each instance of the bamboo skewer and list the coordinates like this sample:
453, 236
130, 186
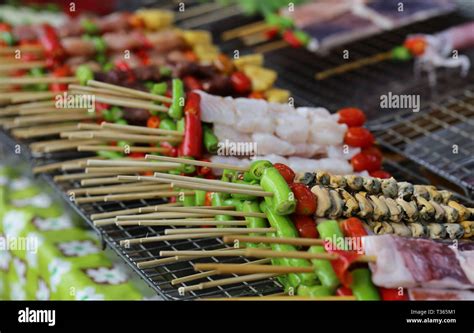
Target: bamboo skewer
166, 166
274, 240
202, 275
144, 240
21, 65
227, 281
59, 146
29, 120
197, 186
131, 149
282, 298
113, 220
113, 136
206, 210
128, 197
25, 96
213, 230
80, 176
245, 30
205, 221
75, 89
140, 129
123, 163
102, 181
53, 166
50, 111
272, 46
251, 269
22, 48
35, 80
129, 211
112, 188
197, 163
129, 102
14, 109
34, 132
128, 91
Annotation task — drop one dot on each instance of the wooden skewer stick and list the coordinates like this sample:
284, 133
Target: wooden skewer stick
205, 221
113, 188
353, 65
131, 149
113, 136
80, 176
196, 186
14, 109
202, 275
251, 269
56, 118
23, 48
272, 46
101, 181
127, 242
274, 240
126, 170
282, 298
128, 197
75, 89
197, 163
54, 166
227, 281
140, 129
124, 163
207, 210
213, 230
138, 210
59, 146
157, 262
88, 126
245, 30
232, 253
208, 181
21, 65
12, 81
128, 91
27, 96
34, 132
50, 111
129, 102
113, 220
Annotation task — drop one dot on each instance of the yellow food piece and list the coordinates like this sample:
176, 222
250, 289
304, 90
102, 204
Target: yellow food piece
468, 227
250, 59
277, 95
206, 53
155, 19
195, 37
262, 78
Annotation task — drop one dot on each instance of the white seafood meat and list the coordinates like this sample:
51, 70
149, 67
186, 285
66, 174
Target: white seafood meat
253, 116
270, 144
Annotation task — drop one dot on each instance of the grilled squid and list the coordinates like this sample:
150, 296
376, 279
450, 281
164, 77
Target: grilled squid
468, 227
405, 190
436, 230
365, 207
390, 187
410, 210
355, 183
308, 178
427, 211
454, 230
381, 211
450, 213
324, 200
351, 206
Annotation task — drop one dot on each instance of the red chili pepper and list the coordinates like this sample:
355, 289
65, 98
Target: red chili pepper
305, 199
99, 106
144, 57
343, 291
353, 227
137, 155
272, 32
305, 226
241, 82
286, 172
291, 39
208, 200
393, 294
204, 170
192, 141
342, 263
145, 42
172, 151
380, 174
61, 71
191, 83
50, 42
153, 122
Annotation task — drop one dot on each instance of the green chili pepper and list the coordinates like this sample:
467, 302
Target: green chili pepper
314, 291
285, 228
401, 53
108, 66
174, 172
242, 196
210, 140
84, 74
330, 230
89, 27
199, 197
180, 125
283, 200
159, 88
186, 168
8, 38
101, 58
302, 36
121, 121
168, 124
99, 44
176, 109
218, 199
113, 114
189, 200
362, 286
257, 168
110, 155
234, 203
228, 175
165, 71
254, 222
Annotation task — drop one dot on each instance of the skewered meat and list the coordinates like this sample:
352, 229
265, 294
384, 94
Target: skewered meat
381, 211
324, 200
450, 213
372, 185
389, 187
418, 229
468, 227
395, 211
354, 182
453, 230
366, 209
413, 262
351, 206
436, 231
405, 190
337, 204
410, 210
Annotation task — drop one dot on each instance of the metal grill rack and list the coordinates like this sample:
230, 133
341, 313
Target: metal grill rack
439, 137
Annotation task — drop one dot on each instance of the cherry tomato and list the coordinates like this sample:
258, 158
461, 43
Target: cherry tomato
172, 151
343, 291
373, 151
290, 38
257, 95
363, 161
191, 83
153, 122
241, 82
359, 137
380, 174
137, 155
352, 117
286, 172
416, 45
272, 32
306, 226
393, 294
305, 199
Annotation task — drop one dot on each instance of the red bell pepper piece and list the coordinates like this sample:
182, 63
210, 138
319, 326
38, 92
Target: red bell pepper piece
50, 41
191, 83
192, 141
343, 291
342, 263
271, 33
291, 38
241, 83
153, 122
60, 72
353, 227
172, 151
393, 294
